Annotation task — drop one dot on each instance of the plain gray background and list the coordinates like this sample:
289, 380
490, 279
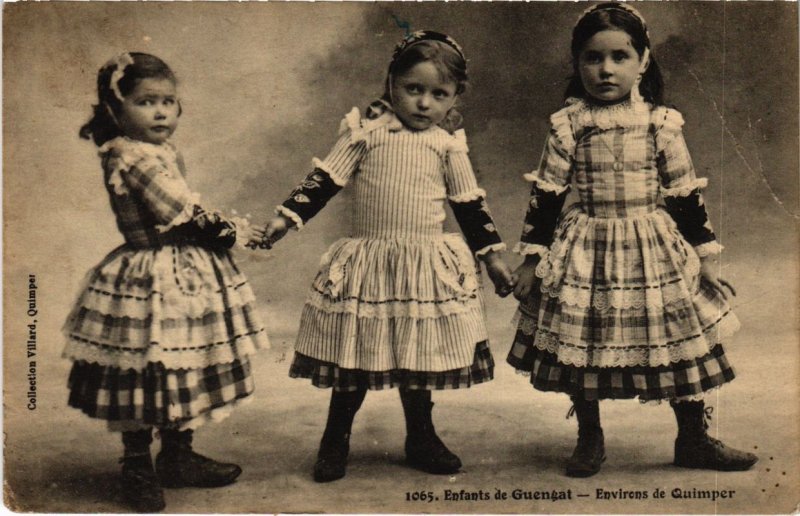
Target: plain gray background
264, 87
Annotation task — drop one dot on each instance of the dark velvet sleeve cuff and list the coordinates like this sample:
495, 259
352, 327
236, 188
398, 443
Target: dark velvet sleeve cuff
208, 229
311, 195
542, 216
476, 223
690, 215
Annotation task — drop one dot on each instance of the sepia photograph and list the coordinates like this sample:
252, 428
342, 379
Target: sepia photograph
401, 257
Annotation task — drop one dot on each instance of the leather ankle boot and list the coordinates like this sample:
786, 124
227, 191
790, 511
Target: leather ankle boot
694, 448
590, 452
140, 486
335, 445
424, 449
177, 465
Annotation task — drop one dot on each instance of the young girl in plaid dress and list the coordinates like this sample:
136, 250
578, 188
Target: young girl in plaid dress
160, 335
620, 296
398, 303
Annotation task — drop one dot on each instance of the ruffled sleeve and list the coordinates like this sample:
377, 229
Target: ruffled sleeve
467, 199
549, 186
680, 186
343, 159
675, 168
331, 174
150, 173
458, 173
555, 168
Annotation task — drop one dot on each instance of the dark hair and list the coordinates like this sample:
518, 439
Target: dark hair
449, 62
102, 127
613, 16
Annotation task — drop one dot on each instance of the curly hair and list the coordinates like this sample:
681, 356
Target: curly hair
102, 127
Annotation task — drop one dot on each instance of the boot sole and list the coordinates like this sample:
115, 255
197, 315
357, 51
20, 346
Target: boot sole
721, 467
432, 470
145, 509
584, 473
333, 474
177, 483
322, 479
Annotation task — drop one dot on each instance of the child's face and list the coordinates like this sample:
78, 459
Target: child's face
150, 112
609, 65
421, 98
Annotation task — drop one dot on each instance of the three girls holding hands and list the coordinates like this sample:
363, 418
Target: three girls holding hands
619, 296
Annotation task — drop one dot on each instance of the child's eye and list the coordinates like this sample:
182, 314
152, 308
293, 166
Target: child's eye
413, 88
620, 56
441, 94
169, 101
592, 57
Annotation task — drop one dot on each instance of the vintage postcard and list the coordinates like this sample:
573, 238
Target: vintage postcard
629, 172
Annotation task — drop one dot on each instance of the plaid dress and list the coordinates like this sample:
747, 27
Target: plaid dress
162, 329
399, 302
620, 309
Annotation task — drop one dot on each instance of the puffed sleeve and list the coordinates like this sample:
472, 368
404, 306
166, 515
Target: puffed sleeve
468, 200
549, 187
161, 189
680, 186
329, 175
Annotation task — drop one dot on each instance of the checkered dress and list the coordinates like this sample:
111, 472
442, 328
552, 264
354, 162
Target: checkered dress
162, 330
620, 309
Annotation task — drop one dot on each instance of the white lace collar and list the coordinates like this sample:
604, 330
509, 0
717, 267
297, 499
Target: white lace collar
622, 114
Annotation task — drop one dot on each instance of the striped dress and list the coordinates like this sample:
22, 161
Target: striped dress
398, 302
162, 329
620, 309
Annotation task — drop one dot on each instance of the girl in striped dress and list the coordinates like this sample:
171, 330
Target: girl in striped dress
161, 333
398, 303
620, 297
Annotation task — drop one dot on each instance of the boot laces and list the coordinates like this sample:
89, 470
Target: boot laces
707, 412
707, 417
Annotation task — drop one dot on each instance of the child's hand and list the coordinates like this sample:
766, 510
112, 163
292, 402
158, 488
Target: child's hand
275, 230
247, 235
251, 235
709, 266
527, 277
500, 274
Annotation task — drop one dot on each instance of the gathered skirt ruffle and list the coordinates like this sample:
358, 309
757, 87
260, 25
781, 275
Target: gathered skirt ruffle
181, 306
158, 396
382, 304
326, 374
623, 292
681, 381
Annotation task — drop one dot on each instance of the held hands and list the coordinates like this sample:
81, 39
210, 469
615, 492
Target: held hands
500, 274
274, 231
247, 235
252, 235
709, 267
526, 273
266, 236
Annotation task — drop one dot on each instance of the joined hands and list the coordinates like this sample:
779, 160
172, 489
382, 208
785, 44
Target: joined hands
500, 274
270, 233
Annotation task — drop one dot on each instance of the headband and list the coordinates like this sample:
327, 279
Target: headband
615, 6
425, 35
119, 63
